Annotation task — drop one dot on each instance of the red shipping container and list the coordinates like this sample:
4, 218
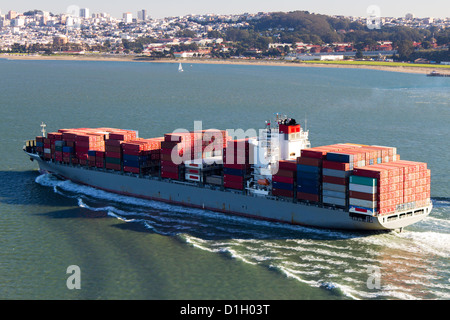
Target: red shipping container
165, 163
335, 180
113, 166
99, 164
371, 172
169, 169
363, 196
282, 179
171, 175
283, 193
232, 178
233, 185
100, 154
314, 153
315, 162
285, 173
116, 155
336, 165
307, 196
131, 169
237, 166
290, 165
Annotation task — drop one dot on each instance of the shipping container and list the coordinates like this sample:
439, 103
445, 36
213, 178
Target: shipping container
290, 165
283, 179
283, 193
281, 185
334, 201
308, 196
305, 168
334, 187
309, 161
336, 173
233, 185
335, 194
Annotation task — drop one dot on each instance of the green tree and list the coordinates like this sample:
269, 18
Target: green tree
405, 48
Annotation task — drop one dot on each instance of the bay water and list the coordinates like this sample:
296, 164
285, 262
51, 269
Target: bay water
128, 248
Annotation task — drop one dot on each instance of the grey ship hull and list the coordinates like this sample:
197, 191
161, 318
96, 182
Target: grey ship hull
230, 202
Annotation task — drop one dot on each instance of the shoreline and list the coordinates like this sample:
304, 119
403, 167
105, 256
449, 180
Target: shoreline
396, 68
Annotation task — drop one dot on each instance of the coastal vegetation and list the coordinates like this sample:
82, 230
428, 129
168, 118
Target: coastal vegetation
268, 36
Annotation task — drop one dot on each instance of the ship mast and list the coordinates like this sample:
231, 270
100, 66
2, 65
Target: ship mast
43, 125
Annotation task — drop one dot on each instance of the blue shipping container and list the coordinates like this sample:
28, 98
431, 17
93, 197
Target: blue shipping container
68, 149
308, 175
308, 182
309, 189
304, 168
339, 157
282, 185
134, 158
91, 153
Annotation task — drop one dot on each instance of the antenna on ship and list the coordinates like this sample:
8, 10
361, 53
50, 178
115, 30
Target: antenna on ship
43, 125
306, 123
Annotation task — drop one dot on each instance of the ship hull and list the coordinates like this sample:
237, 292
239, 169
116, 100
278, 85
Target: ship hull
226, 201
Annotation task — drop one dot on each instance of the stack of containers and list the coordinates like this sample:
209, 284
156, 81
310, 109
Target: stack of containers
113, 154
56, 145
69, 136
336, 170
113, 147
236, 163
283, 181
199, 169
100, 158
399, 185
85, 142
207, 143
136, 154
417, 182
40, 145
91, 158
178, 143
363, 194
309, 173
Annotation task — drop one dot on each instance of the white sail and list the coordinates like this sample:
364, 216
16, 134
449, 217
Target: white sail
180, 68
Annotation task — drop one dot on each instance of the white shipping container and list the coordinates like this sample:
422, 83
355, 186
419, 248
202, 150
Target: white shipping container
334, 187
363, 203
47, 150
334, 194
362, 188
332, 200
193, 177
203, 163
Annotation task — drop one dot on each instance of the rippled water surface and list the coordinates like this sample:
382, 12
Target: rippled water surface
138, 249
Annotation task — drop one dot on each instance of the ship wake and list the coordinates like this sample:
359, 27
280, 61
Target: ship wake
407, 265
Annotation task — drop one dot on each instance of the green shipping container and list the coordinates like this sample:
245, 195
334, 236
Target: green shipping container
113, 160
372, 182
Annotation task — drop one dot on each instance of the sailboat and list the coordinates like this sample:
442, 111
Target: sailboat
180, 68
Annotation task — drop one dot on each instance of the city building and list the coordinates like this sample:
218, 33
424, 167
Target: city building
84, 13
127, 17
142, 15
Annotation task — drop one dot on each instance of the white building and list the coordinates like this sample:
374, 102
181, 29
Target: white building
127, 17
321, 57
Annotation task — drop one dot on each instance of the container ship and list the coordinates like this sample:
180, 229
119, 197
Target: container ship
275, 176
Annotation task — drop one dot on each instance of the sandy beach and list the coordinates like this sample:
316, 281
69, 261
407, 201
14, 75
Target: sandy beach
396, 68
